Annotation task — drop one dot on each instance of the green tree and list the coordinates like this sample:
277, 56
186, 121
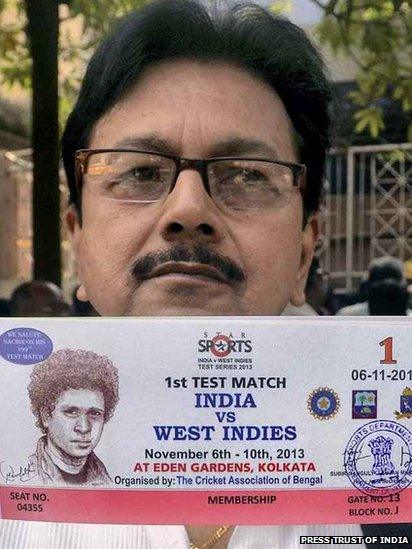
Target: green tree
44, 45
377, 35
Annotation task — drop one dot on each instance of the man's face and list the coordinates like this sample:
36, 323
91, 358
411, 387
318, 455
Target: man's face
193, 109
76, 423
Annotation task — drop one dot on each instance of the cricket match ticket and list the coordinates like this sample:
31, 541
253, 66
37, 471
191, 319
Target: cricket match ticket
178, 420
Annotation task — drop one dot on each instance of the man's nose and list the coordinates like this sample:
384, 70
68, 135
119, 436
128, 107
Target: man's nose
83, 424
189, 212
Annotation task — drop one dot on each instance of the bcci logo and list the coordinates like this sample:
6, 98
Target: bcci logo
323, 403
222, 345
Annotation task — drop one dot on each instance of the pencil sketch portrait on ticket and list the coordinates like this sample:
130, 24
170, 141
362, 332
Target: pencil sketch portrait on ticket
72, 394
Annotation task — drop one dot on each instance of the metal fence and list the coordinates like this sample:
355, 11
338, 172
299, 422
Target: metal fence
367, 211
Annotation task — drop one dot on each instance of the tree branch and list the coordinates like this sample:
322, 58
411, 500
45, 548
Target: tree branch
349, 49
319, 4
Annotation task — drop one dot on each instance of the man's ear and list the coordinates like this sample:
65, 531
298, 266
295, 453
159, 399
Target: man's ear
75, 230
81, 293
73, 221
310, 237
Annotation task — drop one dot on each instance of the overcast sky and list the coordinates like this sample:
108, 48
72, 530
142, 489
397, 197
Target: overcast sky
304, 12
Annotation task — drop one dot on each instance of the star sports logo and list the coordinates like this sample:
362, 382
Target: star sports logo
222, 345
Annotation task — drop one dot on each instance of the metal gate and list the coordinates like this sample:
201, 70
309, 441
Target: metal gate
367, 211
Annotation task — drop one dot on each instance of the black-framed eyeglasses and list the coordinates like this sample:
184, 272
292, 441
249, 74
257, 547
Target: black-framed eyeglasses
144, 177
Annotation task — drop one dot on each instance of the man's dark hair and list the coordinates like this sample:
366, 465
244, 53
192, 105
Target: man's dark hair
386, 267
38, 298
315, 272
388, 297
72, 369
270, 47
4, 307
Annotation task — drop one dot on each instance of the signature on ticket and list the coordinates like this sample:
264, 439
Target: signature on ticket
10, 472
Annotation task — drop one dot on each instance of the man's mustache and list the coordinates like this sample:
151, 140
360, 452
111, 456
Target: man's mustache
199, 253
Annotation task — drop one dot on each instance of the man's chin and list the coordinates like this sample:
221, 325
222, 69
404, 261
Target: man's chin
185, 302
80, 454
185, 307
182, 310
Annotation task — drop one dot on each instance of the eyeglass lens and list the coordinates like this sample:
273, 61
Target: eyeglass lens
145, 178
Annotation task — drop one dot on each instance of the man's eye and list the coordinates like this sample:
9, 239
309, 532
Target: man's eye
251, 176
243, 177
71, 412
142, 174
144, 183
249, 180
96, 414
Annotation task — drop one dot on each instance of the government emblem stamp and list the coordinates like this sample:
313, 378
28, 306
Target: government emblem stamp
364, 404
323, 403
378, 458
405, 405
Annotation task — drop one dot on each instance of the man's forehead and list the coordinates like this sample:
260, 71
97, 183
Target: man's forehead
231, 146
199, 73
81, 398
202, 103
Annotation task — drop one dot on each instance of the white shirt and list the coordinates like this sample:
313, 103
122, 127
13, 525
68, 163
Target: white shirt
358, 309
43, 535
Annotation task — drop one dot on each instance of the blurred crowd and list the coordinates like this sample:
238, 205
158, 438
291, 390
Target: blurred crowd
42, 298
386, 290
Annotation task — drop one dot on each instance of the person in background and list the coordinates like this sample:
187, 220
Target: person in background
379, 269
38, 298
388, 297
